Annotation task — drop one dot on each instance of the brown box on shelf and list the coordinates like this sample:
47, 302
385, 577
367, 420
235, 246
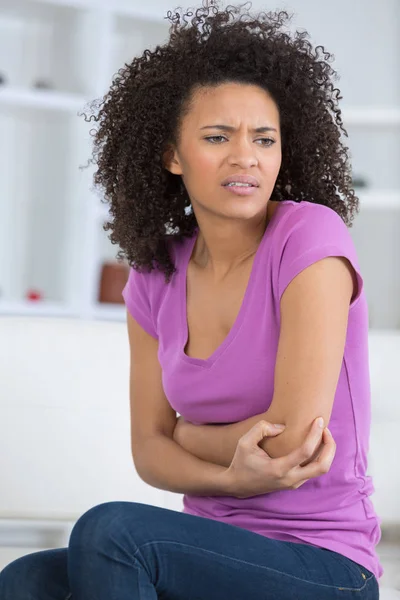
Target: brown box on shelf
113, 278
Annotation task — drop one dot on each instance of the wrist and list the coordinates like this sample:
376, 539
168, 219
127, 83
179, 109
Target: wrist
227, 483
180, 434
176, 433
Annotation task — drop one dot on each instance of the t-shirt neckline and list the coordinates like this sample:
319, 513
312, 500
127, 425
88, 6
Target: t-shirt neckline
184, 329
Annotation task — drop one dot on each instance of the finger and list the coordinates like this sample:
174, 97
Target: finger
305, 451
299, 484
259, 431
323, 463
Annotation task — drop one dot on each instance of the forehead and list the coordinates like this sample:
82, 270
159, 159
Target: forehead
231, 103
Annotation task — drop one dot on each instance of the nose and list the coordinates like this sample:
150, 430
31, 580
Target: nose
243, 154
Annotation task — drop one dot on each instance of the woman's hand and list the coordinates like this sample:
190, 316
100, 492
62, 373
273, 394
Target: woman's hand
253, 472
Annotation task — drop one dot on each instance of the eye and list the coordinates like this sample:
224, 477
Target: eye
266, 140
214, 137
221, 137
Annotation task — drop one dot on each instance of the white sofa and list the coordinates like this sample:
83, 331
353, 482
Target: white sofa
64, 428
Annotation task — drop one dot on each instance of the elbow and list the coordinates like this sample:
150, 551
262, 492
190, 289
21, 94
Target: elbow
146, 453
282, 444
139, 465
145, 470
141, 457
291, 439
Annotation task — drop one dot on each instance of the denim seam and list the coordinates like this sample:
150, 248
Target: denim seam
143, 562
336, 587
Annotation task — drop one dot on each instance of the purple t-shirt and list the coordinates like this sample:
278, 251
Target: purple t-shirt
236, 382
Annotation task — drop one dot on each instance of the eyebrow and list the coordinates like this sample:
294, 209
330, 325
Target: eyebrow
229, 128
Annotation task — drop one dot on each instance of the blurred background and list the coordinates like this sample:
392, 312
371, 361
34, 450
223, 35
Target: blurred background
63, 346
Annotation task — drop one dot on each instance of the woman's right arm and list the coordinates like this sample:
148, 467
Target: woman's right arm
159, 460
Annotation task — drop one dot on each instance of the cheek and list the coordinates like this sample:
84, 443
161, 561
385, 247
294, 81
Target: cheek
203, 160
199, 170
275, 163
201, 164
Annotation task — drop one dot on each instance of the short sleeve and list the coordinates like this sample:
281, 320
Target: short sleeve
136, 297
315, 232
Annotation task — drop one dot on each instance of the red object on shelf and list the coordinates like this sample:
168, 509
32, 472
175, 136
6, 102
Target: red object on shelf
34, 295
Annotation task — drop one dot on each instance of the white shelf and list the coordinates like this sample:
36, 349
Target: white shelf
39, 308
80, 4
379, 199
148, 12
78, 45
375, 117
43, 99
110, 312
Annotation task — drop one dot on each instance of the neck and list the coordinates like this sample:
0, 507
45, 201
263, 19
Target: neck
221, 249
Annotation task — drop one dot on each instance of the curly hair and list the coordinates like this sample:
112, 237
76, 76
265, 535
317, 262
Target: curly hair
142, 113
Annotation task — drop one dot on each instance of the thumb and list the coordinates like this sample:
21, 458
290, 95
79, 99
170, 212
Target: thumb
261, 430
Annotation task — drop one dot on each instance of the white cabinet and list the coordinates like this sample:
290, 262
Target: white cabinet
56, 57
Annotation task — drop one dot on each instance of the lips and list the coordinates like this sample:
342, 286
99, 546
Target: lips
241, 179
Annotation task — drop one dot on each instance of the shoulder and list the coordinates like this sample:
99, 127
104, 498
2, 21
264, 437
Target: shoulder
306, 225
305, 214
151, 285
310, 232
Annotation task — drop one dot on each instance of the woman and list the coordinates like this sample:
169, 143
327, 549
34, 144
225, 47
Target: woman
229, 188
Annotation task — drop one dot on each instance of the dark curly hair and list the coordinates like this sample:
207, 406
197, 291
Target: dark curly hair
142, 113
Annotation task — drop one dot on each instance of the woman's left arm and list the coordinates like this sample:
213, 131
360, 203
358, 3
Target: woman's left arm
314, 315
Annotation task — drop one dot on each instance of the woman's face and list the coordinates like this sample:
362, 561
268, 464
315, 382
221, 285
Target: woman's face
219, 139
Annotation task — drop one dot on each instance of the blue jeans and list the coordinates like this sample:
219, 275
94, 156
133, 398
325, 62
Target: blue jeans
129, 551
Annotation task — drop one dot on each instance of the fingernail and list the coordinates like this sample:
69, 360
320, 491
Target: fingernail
279, 426
320, 422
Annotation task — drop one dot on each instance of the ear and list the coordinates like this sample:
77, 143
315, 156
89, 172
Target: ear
170, 161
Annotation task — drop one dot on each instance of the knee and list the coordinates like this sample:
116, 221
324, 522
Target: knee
35, 576
13, 581
104, 523
7, 582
